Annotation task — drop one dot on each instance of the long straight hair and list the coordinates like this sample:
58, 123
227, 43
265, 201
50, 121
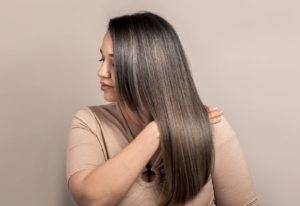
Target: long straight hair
152, 74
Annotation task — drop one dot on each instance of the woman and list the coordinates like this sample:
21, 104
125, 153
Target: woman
156, 143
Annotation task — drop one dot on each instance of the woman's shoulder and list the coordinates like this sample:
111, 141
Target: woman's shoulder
88, 112
106, 120
222, 132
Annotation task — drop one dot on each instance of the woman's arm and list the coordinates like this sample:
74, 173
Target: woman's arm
231, 178
108, 183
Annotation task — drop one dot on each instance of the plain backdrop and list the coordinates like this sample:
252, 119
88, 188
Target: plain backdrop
244, 56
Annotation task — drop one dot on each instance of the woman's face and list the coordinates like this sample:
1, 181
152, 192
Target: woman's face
107, 70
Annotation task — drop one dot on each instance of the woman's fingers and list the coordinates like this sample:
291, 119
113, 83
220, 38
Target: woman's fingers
211, 109
215, 120
214, 114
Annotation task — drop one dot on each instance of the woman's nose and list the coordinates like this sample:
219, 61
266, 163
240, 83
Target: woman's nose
103, 71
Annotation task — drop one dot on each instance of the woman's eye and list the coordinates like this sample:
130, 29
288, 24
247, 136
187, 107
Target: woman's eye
103, 61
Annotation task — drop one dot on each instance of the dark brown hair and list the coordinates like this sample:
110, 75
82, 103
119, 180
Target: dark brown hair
152, 71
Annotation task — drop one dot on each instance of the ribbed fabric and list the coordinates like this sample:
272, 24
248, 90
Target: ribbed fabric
97, 133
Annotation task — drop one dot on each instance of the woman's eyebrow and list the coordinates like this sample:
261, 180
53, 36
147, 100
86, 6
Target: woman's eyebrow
112, 55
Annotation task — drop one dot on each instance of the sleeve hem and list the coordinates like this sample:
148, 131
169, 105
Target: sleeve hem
85, 167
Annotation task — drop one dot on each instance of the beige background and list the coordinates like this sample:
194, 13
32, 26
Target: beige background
244, 57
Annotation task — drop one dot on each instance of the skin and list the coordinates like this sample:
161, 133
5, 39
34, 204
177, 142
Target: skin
107, 75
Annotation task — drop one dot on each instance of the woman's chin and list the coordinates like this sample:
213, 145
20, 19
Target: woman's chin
110, 98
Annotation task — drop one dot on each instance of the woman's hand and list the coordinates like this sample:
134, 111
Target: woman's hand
214, 114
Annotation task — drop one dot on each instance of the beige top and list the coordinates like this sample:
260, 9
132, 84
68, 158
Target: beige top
98, 133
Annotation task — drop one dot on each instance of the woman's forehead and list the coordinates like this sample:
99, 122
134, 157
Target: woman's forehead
107, 45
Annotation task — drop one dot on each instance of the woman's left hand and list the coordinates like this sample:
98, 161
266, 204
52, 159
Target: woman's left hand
214, 114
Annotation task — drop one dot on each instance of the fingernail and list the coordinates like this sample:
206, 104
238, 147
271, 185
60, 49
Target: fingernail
216, 108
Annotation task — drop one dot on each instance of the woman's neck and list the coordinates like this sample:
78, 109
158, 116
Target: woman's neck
134, 123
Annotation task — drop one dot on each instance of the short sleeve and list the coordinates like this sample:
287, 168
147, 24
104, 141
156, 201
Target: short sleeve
83, 147
231, 178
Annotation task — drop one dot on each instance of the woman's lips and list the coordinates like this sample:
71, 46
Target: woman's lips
105, 87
